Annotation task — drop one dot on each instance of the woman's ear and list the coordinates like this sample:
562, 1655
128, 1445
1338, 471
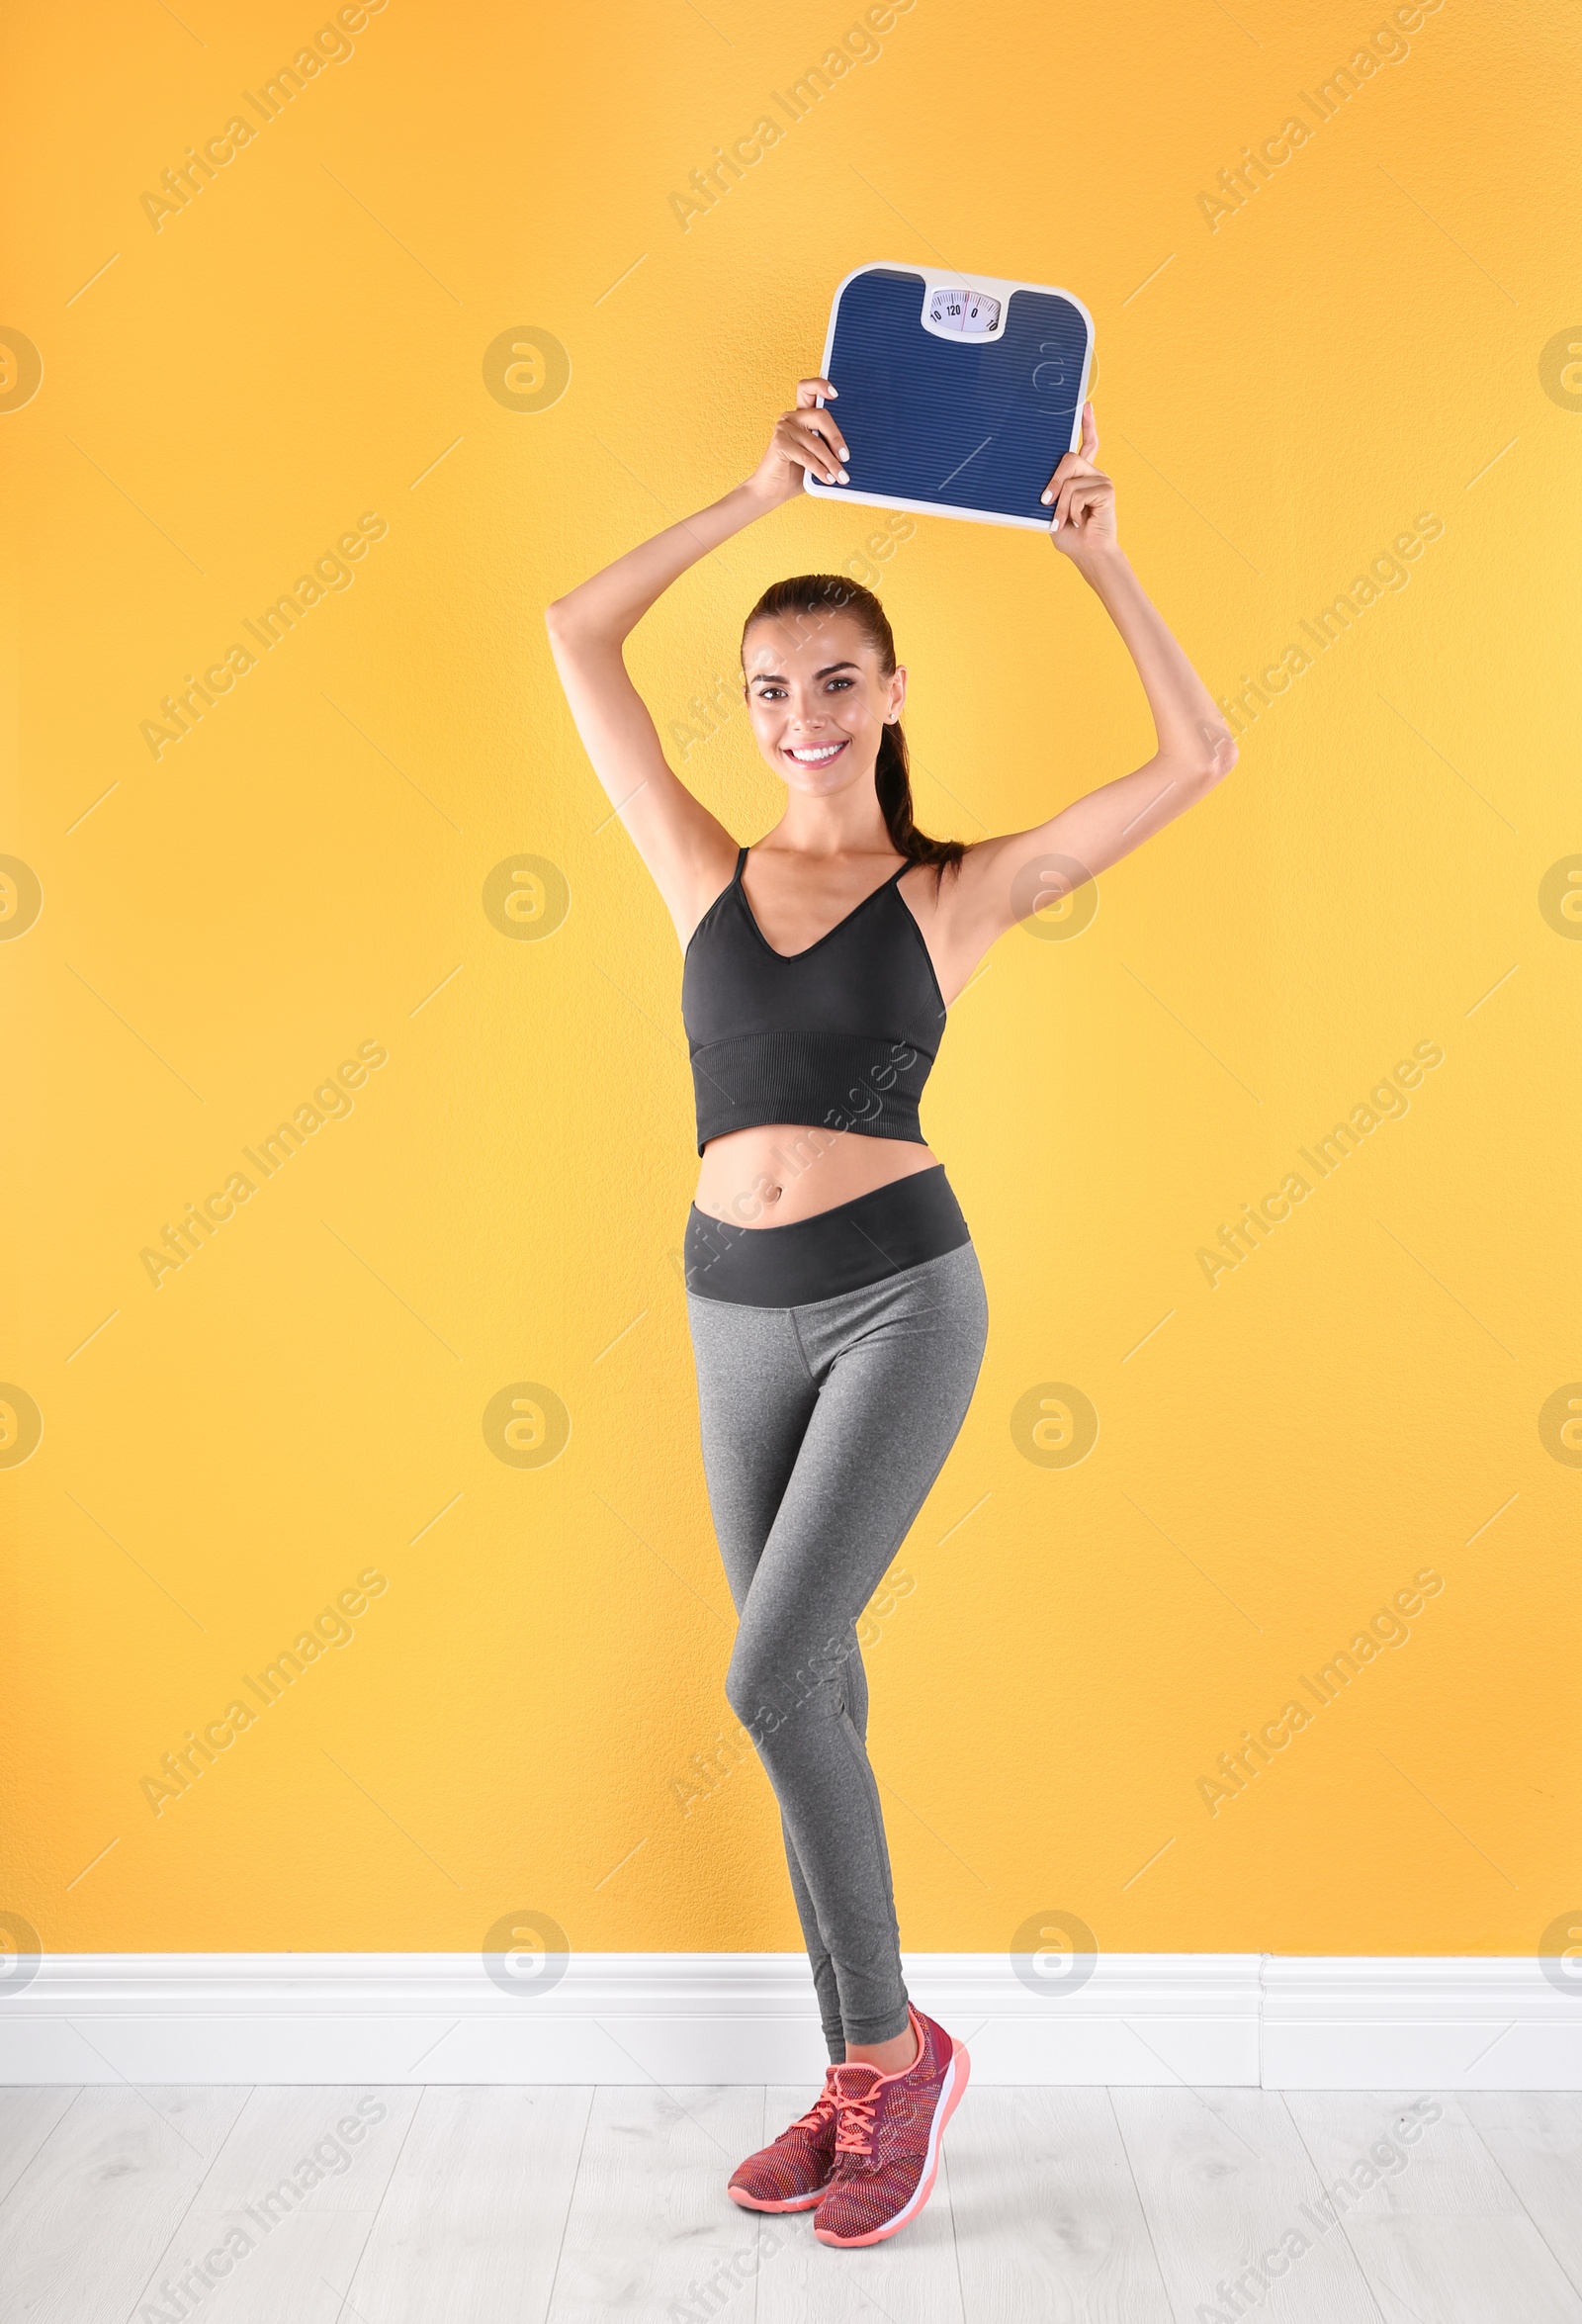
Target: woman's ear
898, 696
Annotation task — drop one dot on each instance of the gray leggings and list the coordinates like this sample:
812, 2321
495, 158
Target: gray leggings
825, 1426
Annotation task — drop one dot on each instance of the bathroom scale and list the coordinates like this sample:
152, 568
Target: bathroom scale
958, 392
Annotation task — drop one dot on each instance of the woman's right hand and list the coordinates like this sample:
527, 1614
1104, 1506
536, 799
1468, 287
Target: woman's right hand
804, 439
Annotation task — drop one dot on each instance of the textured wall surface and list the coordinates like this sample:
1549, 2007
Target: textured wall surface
447, 310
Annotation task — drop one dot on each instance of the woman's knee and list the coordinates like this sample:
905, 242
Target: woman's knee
773, 1674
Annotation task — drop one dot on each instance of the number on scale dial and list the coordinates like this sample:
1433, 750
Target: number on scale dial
971, 313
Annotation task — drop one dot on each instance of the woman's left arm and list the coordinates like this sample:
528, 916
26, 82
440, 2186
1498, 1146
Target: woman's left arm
1196, 749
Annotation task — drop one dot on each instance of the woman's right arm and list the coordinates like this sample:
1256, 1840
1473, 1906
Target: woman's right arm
689, 853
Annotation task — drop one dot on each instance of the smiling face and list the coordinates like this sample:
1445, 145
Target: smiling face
819, 699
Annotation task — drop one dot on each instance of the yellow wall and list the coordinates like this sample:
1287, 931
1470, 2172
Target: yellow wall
1379, 336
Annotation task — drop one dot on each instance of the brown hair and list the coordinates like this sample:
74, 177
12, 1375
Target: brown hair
812, 594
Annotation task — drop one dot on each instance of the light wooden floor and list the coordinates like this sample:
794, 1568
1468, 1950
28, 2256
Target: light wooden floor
1055, 2206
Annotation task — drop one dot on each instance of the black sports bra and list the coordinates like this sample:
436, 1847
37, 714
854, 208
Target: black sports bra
838, 1037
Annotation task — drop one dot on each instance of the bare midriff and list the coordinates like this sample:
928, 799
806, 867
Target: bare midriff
786, 1171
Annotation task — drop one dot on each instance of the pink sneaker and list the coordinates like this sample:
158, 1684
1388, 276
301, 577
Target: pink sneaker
792, 2173
887, 2147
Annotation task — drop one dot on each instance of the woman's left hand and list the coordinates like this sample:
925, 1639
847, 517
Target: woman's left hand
1084, 496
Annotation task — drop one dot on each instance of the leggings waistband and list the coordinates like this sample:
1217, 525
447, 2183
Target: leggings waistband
878, 1234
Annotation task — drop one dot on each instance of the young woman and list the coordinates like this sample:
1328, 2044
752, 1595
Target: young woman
835, 1301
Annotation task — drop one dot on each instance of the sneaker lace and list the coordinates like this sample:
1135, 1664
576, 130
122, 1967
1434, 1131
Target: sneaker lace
818, 2115
854, 2135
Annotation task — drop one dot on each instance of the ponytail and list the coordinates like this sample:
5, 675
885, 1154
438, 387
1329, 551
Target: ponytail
892, 776
814, 594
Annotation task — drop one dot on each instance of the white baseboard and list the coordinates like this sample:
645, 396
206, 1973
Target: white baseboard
1437, 2022
1146, 2018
